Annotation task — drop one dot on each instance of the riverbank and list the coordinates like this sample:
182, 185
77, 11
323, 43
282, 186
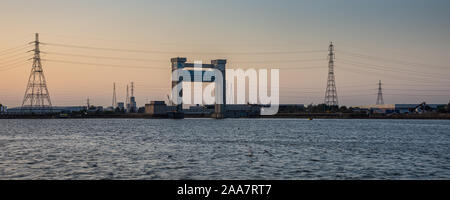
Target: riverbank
360, 116
282, 115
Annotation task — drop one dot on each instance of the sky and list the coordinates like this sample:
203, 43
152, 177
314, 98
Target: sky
403, 43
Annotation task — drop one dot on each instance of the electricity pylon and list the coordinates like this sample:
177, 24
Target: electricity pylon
380, 100
36, 93
331, 98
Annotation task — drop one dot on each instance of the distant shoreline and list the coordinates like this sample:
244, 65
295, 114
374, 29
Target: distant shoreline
443, 116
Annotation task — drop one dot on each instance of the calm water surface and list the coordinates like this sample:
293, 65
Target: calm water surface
224, 149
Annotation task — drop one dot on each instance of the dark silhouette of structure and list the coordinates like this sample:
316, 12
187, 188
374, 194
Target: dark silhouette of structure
36, 94
380, 100
132, 107
114, 98
180, 66
127, 99
331, 98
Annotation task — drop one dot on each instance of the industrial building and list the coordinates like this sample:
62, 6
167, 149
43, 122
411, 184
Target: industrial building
95, 109
121, 106
291, 108
132, 106
159, 108
199, 110
231, 110
3, 109
242, 110
395, 108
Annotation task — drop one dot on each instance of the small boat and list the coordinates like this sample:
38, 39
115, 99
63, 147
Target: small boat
310, 118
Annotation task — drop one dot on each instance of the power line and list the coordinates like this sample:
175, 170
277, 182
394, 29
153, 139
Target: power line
300, 68
107, 57
359, 55
105, 65
348, 86
384, 68
401, 76
407, 84
279, 61
177, 43
308, 96
408, 89
362, 72
14, 49
316, 90
14, 53
23, 58
445, 95
153, 60
180, 52
14, 66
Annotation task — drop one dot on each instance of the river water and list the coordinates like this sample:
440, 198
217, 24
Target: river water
224, 149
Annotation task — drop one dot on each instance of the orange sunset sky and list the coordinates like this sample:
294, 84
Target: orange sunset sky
405, 44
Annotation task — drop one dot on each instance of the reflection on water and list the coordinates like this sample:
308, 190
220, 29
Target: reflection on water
224, 149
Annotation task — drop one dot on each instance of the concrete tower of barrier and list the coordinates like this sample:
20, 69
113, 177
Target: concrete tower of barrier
180, 68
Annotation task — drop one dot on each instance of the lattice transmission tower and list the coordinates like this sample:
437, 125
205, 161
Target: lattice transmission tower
132, 89
36, 93
331, 98
380, 100
114, 98
127, 100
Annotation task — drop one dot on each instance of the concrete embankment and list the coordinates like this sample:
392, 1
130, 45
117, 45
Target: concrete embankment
282, 115
361, 116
